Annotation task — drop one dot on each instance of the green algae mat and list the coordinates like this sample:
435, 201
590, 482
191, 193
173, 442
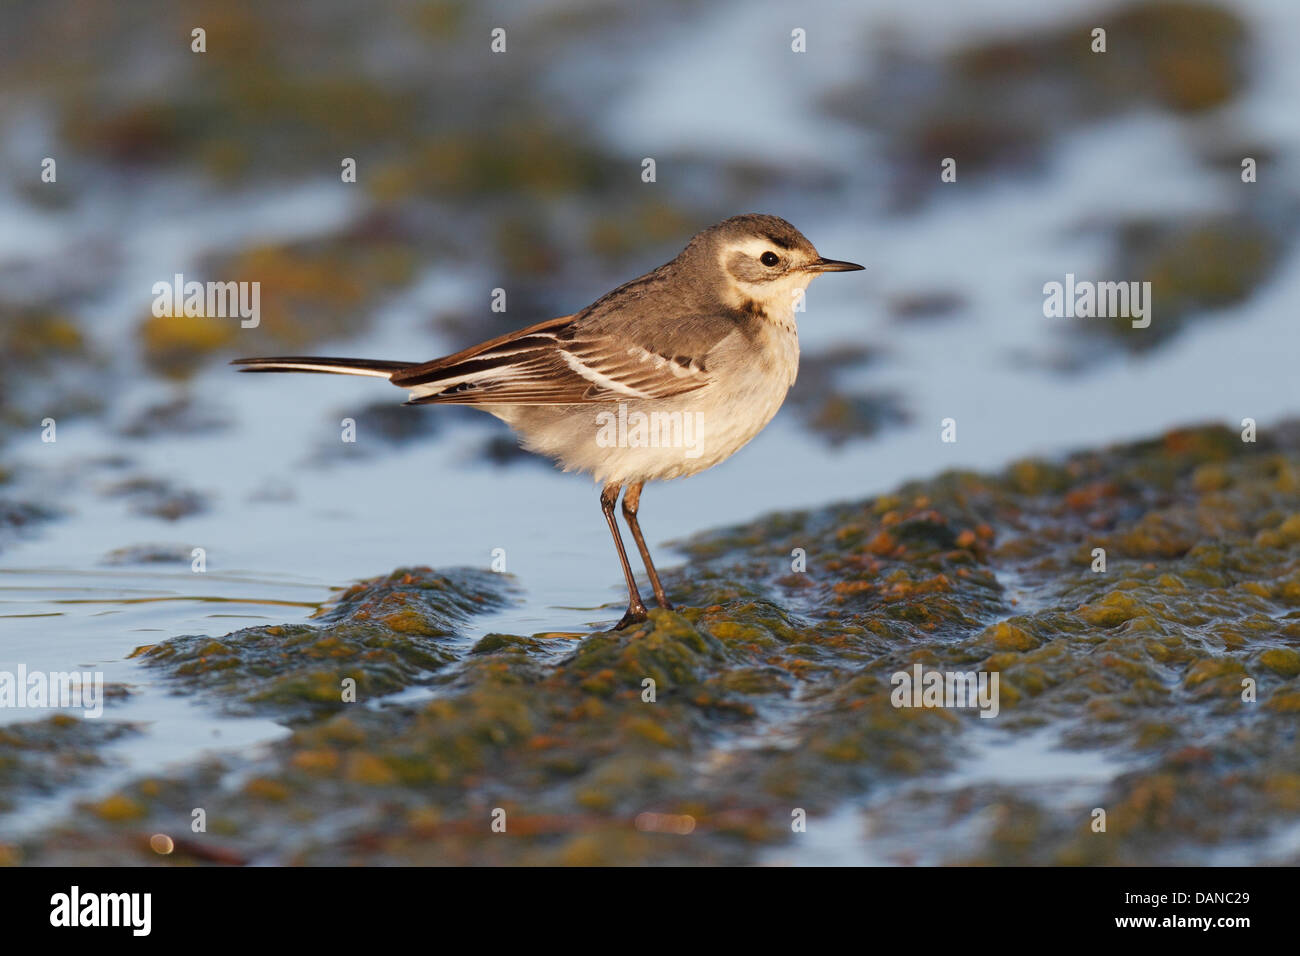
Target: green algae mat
1132, 613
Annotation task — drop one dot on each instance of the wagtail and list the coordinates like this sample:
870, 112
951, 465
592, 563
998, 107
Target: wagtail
666, 376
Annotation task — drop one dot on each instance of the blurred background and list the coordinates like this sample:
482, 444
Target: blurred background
522, 170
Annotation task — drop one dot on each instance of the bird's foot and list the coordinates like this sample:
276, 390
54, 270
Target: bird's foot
663, 602
636, 614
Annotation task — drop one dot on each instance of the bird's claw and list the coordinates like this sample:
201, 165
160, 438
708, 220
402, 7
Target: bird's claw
634, 615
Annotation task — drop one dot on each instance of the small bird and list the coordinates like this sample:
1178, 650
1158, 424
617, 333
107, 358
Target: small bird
664, 377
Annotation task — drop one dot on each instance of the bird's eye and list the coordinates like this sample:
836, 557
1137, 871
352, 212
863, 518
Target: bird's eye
769, 259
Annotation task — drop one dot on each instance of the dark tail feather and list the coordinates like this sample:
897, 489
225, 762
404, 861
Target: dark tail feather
336, 366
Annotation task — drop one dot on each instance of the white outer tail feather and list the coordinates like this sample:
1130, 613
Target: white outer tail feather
376, 369
324, 367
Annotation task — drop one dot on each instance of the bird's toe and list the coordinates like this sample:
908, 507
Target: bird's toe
634, 615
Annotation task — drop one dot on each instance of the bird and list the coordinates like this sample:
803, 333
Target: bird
666, 376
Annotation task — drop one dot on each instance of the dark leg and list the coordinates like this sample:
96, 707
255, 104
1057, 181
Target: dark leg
636, 612
631, 502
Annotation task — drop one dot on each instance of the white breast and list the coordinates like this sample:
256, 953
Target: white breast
752, 392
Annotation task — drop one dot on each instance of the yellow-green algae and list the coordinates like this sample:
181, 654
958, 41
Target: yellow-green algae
43, 756
771, 688
383, 635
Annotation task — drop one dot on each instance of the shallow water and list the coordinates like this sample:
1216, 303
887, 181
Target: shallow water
898, 825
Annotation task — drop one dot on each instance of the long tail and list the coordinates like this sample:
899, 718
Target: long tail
337, 366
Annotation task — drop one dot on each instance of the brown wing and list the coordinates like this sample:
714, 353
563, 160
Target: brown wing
552, 363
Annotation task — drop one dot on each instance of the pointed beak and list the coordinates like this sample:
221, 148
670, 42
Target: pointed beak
833, 265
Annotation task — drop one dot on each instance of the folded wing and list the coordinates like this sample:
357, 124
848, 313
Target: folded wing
556, 362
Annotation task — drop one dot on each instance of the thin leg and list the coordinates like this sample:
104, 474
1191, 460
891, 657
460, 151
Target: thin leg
636, 612
631, 502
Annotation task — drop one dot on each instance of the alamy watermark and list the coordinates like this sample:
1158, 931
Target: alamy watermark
61, 690
656, 429
954, 689
213, 300
1086, 299
74, 908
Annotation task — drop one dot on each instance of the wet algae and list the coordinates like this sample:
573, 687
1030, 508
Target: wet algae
701, 736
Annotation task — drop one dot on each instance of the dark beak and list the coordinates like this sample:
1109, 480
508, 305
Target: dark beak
834, 265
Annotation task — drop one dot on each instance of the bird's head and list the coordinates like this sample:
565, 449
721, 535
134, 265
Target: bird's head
763, 260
